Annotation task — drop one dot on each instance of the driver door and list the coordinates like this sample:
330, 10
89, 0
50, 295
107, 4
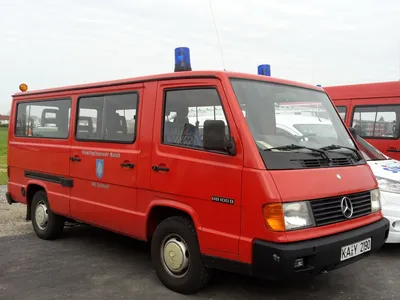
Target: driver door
183, 171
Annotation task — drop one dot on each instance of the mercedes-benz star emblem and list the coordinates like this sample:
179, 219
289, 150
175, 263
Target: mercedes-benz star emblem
338, 176
347, 207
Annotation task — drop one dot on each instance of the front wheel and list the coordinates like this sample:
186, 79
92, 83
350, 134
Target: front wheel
46, 224
176, 256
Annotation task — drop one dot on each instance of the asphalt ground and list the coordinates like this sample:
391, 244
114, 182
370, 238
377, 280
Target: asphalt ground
89, 263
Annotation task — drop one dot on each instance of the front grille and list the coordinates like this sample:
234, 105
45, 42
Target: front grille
320, 163
328, 210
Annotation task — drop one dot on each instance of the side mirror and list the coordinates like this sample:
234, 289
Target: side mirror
215, 139
353, 131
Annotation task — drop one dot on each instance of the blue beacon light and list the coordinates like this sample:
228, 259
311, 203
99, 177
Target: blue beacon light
182, 59
264, 70
318, 85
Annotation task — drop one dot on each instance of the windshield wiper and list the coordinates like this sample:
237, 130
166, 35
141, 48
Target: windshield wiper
291, 147
337, 147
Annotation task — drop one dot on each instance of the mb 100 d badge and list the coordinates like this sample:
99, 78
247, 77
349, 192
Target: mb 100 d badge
222, 200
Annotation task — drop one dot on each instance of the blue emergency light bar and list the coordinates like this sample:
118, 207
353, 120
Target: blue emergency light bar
182, 59
319, 85
264, 70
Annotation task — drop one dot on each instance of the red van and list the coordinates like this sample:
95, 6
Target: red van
373, 109
192, 161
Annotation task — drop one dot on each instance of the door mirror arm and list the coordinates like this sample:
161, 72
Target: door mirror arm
231, 146
353, 132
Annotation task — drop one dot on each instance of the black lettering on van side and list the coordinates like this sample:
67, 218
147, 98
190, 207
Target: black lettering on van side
222, 200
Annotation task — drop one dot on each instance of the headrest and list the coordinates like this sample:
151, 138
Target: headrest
49, 120
124, 126
88, 119
179, 109
84, 127
116, 123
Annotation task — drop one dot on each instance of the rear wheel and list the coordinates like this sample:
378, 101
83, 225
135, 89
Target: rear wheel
46, 224
176, 256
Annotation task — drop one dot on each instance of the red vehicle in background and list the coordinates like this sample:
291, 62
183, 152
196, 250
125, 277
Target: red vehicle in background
193, 162
373, 110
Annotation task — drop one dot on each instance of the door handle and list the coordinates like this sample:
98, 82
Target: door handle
128, 165
75, 158
158, 169
393, 150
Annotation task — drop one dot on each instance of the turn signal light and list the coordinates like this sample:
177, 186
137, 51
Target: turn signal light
273, 216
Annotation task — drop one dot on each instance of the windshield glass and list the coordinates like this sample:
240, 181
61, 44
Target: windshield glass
320, 129
368, 151
280, 115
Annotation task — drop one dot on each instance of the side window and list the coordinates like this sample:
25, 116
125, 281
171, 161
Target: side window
342, 111
43, 119
107, 118
376, 121
185, 113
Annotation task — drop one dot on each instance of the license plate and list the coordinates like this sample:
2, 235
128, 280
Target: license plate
355, 249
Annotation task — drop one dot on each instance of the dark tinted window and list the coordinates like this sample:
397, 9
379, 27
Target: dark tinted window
342, 111
185, 113
107, 118
377, 121
43, 119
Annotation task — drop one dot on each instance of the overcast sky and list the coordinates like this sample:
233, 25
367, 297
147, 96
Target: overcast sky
48, 43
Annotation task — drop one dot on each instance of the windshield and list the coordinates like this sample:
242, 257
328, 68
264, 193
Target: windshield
368, 151
320, 129
280, 115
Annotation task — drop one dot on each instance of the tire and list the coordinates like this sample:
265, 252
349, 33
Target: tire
54, 226
179, 231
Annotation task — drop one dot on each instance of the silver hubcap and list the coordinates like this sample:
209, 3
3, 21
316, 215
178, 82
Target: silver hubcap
175, 255
41, 215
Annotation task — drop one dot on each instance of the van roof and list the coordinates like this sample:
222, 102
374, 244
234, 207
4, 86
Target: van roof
166, 76
364, 90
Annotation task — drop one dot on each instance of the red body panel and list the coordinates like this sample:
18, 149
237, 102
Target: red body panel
122, 200
370, 94
112, 204
303, 187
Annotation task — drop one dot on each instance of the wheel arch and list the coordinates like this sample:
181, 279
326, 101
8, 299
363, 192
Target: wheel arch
159, 210
31, 189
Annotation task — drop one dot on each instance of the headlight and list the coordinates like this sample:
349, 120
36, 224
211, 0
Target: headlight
288, 216
388, 185
297, 215
375, 200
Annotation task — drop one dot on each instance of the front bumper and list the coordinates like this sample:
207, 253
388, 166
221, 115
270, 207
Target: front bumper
391, 211
276, 261
10, 200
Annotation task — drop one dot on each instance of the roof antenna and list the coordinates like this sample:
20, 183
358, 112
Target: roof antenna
216, 30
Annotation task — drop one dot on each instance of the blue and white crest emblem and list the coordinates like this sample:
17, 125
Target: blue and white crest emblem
99, 168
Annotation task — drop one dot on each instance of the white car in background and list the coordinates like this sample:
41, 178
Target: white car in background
387, 173
301, 125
